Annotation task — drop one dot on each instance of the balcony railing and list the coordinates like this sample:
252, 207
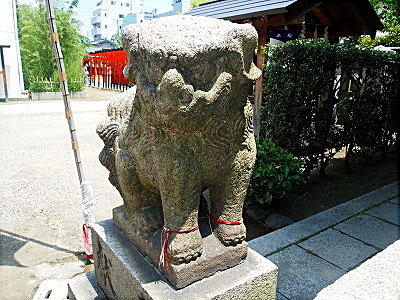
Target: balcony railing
96, 31
96, 19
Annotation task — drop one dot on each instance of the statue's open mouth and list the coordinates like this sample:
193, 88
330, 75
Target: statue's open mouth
174, 96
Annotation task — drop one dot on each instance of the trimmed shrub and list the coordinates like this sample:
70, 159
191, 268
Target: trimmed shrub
276, 172
299, 99
308, 109
367, 103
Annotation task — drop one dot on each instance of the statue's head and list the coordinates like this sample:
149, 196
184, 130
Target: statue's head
190, 53
199, 48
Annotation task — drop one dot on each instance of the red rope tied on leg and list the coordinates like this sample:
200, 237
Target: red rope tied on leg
164, 258
222, 221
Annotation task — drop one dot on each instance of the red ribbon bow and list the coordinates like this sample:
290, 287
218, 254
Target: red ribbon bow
164, 258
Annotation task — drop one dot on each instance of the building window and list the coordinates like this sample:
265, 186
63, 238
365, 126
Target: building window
121, 16
113, 2
127, 4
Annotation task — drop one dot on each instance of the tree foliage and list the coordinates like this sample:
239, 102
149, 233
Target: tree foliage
389, 13
195, 3
117, 39
37, 54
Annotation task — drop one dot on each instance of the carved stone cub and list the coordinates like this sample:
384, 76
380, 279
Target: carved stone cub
188, 128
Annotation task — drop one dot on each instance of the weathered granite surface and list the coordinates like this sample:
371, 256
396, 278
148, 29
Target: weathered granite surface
389, 212
124, 273
85, 287
215, 257
370, 230
188, 128
301, 274
377, 278
339, 249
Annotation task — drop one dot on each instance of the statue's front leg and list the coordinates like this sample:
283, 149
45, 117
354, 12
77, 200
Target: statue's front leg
179, 178
227, 199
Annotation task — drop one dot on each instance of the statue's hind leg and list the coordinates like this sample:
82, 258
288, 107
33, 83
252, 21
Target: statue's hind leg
142, 206
228, 196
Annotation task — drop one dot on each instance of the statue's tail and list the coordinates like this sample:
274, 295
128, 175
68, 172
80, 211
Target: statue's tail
109, 132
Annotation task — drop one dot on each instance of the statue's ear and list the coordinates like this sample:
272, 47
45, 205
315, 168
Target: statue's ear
130, 43
245, 40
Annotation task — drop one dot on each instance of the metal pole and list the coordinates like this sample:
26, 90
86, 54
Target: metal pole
64, 89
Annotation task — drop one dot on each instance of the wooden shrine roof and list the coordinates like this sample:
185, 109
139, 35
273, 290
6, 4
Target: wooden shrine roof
343, 17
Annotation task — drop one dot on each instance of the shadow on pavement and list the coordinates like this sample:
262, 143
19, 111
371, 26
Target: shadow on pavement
11, 242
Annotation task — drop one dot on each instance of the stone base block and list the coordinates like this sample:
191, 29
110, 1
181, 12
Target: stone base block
84, 287
216, 257
124, 273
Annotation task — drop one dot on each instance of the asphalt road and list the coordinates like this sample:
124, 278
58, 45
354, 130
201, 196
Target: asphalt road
40, 216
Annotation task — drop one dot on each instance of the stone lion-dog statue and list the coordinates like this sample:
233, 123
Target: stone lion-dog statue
186, 128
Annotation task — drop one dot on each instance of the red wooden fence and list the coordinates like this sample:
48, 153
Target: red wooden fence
104, 69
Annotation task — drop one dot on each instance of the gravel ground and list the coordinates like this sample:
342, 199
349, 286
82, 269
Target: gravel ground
40, 216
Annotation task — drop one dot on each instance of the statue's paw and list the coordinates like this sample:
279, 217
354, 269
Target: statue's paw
185, 247
230, 235
147, 220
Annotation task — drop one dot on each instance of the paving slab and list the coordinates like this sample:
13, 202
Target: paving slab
388, 211
370, 230
302, 275
52, 289
85, 287
269, 243
339, 249
377, 278
396, 200
279, 296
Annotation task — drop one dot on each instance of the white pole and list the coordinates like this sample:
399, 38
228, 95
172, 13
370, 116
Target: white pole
86, 187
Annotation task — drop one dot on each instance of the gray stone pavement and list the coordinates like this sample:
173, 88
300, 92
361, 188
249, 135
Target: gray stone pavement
377, 278
40, 215
41, 218
318, 251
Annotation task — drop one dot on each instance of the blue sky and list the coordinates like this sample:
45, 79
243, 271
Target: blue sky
85, 8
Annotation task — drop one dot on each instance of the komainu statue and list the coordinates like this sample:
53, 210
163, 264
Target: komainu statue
186, 128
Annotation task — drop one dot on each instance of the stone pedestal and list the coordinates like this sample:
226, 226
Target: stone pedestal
216, 257
123, 272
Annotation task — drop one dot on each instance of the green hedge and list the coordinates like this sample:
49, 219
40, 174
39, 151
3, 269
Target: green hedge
310, 110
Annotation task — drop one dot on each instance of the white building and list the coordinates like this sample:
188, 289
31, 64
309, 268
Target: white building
109, 14
11, 52
178, 7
